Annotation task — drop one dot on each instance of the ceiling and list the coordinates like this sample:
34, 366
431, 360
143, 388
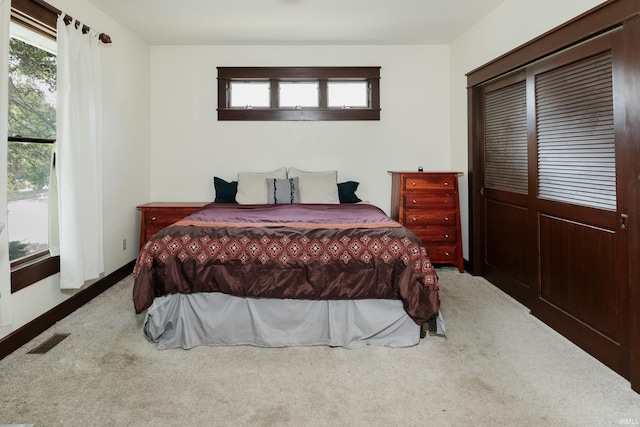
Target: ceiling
297, 22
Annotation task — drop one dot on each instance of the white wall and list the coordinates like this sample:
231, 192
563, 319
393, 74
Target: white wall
510, 25
126, 166
190, 146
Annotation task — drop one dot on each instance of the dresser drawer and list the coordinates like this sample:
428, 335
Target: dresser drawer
155, 221
445, 254
414, 217
156, 216
436, 234
429, 182
430, 200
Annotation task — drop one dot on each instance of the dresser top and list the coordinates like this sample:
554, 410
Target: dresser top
173, 205
426, 172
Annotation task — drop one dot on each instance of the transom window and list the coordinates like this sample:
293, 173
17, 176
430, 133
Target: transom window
298, 93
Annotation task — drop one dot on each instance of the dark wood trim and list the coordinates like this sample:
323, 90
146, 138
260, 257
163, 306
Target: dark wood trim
33, 140
475, 164
323, 93
44, 14
31, 272
299, 114
468, 266
370, 75
274, 99
30, 258
595, 21
29, 12
631, 35
374, 102
314, 73
26, 333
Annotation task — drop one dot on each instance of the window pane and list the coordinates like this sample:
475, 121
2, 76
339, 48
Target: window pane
347, 94
249, 94
28, 217
299, 94
32, 89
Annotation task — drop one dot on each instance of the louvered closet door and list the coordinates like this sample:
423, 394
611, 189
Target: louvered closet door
582, 256
509, 239
576, 140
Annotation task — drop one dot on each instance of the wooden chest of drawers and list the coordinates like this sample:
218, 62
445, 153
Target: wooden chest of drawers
428, 204
156, 216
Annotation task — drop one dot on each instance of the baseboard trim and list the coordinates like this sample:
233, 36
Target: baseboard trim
26, 333
468, 267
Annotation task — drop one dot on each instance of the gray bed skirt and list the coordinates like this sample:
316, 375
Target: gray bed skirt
216, 319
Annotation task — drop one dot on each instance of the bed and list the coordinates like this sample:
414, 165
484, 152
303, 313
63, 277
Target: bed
285, 275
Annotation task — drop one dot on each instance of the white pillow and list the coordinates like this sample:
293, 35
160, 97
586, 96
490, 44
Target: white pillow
317, 187
252, 186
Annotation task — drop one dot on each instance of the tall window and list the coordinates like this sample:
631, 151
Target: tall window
32, 132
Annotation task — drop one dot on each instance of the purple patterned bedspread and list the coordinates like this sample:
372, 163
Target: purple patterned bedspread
299, 251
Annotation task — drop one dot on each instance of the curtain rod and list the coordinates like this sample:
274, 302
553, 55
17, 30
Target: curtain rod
104, 38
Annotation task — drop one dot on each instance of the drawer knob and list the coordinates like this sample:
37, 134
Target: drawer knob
413, 183
414, 218
446, 184
446, 253
153, 218
446, 236
446, 218
414, 202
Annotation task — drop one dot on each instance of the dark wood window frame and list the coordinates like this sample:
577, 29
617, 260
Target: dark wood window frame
29, 270
226, 75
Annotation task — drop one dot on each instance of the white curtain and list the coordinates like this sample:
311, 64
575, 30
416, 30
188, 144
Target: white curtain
78, 159
5, 280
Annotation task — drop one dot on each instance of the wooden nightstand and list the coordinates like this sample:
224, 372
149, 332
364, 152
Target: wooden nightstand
428, 204
157, 215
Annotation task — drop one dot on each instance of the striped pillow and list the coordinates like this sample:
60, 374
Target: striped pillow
282, 191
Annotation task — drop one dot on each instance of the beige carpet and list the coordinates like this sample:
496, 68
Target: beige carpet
498, 366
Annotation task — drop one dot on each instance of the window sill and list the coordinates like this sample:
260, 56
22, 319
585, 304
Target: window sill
298, 114
33, 271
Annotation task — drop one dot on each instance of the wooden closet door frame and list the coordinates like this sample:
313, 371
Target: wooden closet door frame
596, 21
631, 35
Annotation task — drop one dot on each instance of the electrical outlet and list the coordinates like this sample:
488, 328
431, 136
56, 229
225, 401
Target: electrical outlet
124, 244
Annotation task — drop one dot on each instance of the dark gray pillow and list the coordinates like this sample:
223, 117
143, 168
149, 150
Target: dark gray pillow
347, 192
282, 191
225, 191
